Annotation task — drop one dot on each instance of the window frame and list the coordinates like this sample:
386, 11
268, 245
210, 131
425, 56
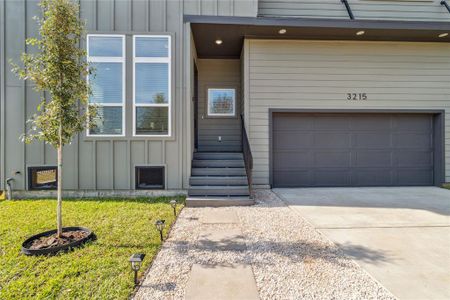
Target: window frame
167, 60
37, 168
110, 59
150, 166
220, 115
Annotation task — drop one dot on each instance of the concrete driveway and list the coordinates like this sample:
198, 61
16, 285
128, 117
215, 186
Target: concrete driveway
401, 236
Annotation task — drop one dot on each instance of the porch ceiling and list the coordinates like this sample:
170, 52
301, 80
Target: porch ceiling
233, 30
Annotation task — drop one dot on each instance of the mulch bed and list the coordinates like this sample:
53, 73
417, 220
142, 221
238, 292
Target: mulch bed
53, 240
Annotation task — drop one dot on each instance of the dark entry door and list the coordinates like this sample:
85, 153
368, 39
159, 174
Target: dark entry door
352, 149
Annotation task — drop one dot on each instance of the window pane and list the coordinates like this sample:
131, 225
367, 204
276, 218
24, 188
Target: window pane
152, 83
42, 178
152, 47
221, 101
105, 46
106, 83
107, 121
152, 120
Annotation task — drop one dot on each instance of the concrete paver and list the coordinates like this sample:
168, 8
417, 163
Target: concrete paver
221, 282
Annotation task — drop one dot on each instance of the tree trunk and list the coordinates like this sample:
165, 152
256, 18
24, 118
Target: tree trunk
59, 205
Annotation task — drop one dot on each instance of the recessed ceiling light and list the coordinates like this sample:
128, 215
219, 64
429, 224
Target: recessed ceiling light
282, 31
219, 42
443, 34
360, 32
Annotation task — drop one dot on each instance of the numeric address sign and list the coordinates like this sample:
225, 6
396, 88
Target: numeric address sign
356, 96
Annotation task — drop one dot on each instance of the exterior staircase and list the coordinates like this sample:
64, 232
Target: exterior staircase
218, 179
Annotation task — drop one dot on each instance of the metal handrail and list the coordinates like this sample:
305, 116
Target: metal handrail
248, 157
444, 3
349, 9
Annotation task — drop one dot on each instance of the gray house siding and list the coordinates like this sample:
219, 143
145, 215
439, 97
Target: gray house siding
218, 73
318, 74
103, 163
430, 10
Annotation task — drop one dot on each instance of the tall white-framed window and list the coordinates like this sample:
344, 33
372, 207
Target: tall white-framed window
106, 54
152, 85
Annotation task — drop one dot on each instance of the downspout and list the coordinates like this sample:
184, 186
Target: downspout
444, 3
9, 188
349, 9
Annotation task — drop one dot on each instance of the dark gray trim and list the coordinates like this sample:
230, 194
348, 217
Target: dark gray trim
438, 133
319, 23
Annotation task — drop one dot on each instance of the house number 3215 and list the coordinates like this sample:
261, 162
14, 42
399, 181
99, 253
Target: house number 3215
356, 96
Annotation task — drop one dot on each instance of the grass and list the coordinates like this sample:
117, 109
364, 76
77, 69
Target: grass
100, 270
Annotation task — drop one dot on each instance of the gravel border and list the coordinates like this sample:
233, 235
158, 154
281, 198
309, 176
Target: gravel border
289, 258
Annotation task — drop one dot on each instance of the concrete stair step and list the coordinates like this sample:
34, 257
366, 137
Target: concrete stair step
219, 190
218, 163
218, 180
218, 172
218, 201
218, 155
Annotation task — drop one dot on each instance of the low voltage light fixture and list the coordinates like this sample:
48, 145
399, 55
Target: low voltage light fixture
361, 32
219, 42
160, 224
282, 31
136, 263
173, 203
442, 35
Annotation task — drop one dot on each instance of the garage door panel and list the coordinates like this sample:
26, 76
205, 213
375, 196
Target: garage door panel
371, 123
292, 160
381, 140
331, 122
332, 177
369, 158
414, 158
412, 140
292, 140
330, 139
352, 149
332, 159
373, 177
415, 176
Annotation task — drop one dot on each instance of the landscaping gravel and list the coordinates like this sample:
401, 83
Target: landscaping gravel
289, 258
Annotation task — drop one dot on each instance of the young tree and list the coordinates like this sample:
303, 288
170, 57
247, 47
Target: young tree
59, 69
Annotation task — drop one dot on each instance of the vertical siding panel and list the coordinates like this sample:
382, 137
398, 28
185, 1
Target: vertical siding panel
2, 94
224, 7
120, 165
139, 15
157, 15
15, 92
34, 150
122, 11
86, 166
88, 12
155, 150
103, 163
137, 158
105, 15
172, 169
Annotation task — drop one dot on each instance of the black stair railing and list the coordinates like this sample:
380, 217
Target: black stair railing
248, 157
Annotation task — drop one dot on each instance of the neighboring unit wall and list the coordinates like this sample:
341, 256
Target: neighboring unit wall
428, 10
103, 163
319, 74
218, 73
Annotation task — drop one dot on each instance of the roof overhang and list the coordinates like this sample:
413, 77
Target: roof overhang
233, 30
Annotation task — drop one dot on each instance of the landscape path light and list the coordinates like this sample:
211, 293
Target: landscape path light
160, 224
136, 263
173, 203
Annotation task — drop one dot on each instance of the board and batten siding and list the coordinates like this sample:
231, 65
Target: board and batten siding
103, 163
318, 74
218, 73
414, 10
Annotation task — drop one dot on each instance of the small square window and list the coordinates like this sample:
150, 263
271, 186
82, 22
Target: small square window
222, 102
42, 178
150, 178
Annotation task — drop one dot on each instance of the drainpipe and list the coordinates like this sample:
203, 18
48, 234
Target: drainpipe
443, 2
9, 188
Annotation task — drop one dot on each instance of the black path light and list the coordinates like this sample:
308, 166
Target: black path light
173, 203
160, 224
136, 263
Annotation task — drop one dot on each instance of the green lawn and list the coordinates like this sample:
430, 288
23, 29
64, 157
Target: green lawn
100, 270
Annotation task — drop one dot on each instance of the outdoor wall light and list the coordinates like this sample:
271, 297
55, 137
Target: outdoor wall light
361, 32
282, 31
136, 263
219, 42
443, 34
173, 203
160, 224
